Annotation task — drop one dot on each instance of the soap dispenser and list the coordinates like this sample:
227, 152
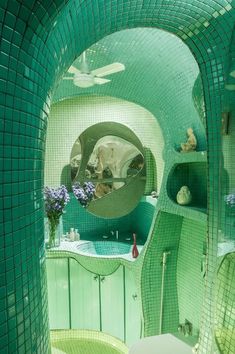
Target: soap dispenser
77, 235
135, 251
72, 234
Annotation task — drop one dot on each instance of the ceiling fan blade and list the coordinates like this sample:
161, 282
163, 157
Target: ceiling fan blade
100, 81
68, 78
108, 69
73, 70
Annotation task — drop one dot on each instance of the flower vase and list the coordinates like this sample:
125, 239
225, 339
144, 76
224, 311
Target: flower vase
135, 251
54, 233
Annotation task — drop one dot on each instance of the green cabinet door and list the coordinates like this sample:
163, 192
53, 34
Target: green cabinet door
84, 296
132, 309
112, 303
58, 293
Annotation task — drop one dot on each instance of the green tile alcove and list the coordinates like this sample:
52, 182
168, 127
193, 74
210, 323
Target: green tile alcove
39, 41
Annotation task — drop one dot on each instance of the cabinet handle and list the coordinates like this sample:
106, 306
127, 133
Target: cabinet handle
102, 279
96, 277
134, 296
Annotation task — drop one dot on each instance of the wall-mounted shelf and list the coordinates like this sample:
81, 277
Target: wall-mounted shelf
189, 212
194, 156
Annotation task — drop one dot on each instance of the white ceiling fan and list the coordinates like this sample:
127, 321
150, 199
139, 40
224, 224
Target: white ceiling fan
84, 78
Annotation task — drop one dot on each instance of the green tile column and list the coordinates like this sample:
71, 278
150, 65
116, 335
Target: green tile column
23, 288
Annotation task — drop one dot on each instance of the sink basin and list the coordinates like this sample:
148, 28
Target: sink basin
104, 248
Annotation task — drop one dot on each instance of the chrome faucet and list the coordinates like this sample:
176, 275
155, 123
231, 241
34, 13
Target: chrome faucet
116, 234
185, 328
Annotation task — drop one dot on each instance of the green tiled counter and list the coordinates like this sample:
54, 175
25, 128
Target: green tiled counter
102, 265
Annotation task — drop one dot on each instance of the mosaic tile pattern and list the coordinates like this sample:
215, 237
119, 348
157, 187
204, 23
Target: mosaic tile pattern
191, 272
92, 110
225, 317
163, 238
92, 227
39, 41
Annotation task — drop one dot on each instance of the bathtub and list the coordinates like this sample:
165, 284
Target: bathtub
85, 342
162, 344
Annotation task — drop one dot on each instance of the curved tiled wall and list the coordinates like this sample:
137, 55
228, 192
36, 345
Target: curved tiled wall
64, 128
40, 39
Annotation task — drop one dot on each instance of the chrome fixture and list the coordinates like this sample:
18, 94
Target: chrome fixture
186, 328
134, 296
116, 233
112, 233
164, 259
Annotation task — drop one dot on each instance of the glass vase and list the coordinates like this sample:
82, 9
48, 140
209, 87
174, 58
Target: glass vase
54, 233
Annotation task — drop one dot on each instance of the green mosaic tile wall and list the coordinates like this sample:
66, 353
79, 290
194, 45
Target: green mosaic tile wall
172, 87
225, 318
39, 41
141, 219
164, 238
88, 225
152, 182
91, 227
191, 272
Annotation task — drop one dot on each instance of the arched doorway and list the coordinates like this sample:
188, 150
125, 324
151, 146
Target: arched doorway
39, 42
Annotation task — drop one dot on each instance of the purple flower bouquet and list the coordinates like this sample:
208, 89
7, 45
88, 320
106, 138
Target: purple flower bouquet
55, 202
230, 202
84, 194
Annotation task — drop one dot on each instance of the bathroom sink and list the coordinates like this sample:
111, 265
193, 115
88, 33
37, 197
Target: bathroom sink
104, 248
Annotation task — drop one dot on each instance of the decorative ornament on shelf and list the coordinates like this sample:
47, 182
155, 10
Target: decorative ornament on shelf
84, 194
55, 202
184, 196
191, 143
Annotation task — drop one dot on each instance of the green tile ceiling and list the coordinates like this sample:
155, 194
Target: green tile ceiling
159, 74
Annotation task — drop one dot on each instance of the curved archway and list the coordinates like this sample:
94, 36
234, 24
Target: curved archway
39, 41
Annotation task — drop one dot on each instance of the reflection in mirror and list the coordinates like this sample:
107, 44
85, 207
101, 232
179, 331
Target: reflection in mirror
109, 157
75, 159
112, 161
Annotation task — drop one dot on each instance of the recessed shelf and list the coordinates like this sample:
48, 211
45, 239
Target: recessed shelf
194, 156
190, 212
194, 176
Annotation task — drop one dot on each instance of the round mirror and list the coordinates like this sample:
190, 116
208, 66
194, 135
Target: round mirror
111, 158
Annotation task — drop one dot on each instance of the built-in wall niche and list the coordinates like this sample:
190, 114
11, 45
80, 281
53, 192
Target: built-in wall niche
194, 176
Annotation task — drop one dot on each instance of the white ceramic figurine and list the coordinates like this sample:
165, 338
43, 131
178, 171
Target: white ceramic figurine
191, 143
184, 196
